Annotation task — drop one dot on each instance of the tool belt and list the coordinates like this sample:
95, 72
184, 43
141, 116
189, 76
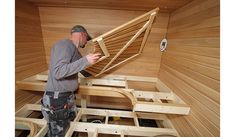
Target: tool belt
59, 108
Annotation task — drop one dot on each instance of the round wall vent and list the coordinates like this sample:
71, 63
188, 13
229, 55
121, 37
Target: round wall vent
163, 45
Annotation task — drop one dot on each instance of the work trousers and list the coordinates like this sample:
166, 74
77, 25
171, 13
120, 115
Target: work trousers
59, 110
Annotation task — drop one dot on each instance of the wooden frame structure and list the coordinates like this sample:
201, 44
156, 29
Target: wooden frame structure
122, 43
93, 129
37, 127
162, 101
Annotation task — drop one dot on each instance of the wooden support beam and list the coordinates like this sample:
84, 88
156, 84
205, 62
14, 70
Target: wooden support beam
130, 78
121, 129
37, 127
93, 129
107, 117
136, 120
174, 105
83, 105
122, 134
106, 82
161, 108
152, 16
103, 47
99, 112
153, 95
43, 77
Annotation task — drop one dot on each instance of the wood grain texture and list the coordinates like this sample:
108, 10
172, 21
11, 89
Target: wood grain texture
57, 22
26, 97
121, 52
191, 66
30, 54
166, 6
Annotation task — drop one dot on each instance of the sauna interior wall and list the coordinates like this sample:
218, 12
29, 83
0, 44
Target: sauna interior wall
191, 66
56, 23
29, 50
30, 54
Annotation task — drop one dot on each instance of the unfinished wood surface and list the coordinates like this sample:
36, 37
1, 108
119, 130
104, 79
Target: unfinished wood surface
26, 123
25, 97
139, 100
100, 21
37, 128
30, 55
191, 66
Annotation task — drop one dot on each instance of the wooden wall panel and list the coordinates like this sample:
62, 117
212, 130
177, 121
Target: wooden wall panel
191, 66
137, 5
26, 97
57, 22
30, 54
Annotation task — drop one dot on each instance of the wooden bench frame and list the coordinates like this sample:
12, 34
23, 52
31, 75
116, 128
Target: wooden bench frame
93, 129
88, 87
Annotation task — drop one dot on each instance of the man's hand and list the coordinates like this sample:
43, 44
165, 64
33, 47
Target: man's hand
92, 58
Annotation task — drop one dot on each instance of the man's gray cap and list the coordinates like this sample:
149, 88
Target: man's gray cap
79, 28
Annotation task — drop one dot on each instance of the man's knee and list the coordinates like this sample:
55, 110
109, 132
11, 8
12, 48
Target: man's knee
58, 128
58, 119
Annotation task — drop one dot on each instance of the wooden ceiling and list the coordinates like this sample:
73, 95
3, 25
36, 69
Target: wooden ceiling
166, 6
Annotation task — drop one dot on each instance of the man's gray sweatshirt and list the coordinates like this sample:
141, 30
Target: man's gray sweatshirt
66, 61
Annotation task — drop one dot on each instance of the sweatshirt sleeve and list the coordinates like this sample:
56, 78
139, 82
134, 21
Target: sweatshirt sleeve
62, 67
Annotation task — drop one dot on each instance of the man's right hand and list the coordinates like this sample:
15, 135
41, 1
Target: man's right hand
92, 58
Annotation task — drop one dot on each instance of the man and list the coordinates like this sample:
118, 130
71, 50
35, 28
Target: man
58, 103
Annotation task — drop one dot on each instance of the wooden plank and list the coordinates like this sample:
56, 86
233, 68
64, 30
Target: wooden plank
147, 31
105, 82
103, 47
162, 108
37, 127
117, 129
93, 128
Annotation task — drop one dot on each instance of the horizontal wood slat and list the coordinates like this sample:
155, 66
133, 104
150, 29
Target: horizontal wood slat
191, 66
30, 54
138, 5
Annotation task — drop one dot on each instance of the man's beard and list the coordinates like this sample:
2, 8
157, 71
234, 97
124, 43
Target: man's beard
77, 44
82, 46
